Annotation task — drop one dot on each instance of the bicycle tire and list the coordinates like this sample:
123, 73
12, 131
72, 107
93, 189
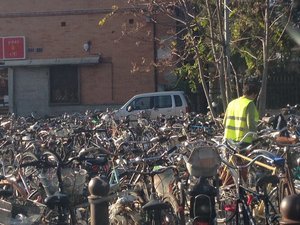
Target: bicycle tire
177, 209
274, 209
30, 173
7, 156
286, 184
146, 136
228, 193
165, 216
68, 211
50, 217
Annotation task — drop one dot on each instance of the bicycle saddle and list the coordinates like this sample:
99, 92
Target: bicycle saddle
264, 181
100, 161
58, 199
155, 204
5, 193
2, 177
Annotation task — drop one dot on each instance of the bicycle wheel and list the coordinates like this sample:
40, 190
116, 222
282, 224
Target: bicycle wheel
262, 213
147, 134
58, 214
286, 182
163, 215
228, 194
125, 210
54, 217
177, 212
7, 157
29, 175
272, 216
287, 185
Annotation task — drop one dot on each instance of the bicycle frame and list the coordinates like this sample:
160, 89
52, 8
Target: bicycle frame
226, 175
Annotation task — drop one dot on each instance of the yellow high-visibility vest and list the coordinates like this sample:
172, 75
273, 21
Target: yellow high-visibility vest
236, 120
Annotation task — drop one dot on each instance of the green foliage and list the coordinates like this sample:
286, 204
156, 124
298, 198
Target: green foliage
189, 73
200, 38
247, 28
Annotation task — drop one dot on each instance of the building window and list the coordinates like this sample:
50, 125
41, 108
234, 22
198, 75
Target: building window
64, 84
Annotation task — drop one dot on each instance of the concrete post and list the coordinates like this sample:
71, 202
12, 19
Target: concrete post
290, 210
98, 189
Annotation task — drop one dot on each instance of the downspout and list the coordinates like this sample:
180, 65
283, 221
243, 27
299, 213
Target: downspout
109, 61
112, 80
11, 91
155, 56
112, 77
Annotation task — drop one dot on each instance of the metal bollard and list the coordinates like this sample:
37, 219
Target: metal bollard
290, 210
98, 189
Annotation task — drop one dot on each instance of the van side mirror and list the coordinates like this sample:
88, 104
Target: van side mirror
129, 108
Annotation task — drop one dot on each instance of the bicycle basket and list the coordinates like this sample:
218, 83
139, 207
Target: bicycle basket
203, 161
73, 181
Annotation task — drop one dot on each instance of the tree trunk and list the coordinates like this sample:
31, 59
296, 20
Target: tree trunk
219, 63
262, 99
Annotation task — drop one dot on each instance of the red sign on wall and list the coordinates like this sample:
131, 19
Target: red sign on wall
14, 47
1, 48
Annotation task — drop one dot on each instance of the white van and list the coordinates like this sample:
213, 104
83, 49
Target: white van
154, 104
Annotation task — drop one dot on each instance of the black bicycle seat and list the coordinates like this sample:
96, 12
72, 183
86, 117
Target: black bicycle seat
155, 204
264, 181
58, 199
237, 146
5, 193
100, 161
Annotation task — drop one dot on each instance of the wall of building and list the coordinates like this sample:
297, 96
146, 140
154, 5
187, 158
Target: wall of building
58, 29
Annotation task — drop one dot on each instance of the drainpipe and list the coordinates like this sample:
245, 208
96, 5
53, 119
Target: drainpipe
110, 62
11, 91
154, 55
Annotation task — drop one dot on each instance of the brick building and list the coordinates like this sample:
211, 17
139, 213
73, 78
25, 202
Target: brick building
69, 63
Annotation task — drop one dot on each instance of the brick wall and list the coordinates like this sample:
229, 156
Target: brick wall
58, 29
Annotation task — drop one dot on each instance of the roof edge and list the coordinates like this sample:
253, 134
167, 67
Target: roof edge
48, 62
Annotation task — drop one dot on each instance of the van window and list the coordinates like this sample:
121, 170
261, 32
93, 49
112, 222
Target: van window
163, 101
178, 101
141, 103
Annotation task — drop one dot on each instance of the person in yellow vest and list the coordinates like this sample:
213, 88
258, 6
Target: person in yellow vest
241, 115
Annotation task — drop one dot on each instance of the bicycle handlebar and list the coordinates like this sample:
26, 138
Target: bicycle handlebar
254, 160
164, 138
43, 164
152, 172
250, 133
97, 149
153, 158
274, 160
40, 164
